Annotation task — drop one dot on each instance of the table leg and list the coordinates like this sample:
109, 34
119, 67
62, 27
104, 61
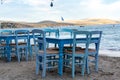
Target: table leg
60, 71
30, 49
8, 50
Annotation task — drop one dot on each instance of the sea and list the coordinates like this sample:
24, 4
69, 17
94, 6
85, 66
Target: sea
110, 40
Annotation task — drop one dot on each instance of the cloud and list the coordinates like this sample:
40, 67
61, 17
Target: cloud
7, 1
70, 9
97, 8
32, 3
41, 5
36, 2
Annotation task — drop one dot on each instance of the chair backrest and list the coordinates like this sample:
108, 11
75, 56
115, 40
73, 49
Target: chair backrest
96, 35
39, 37
22, 36
51, 32
6, 32
96, 38
65, 31
81, 38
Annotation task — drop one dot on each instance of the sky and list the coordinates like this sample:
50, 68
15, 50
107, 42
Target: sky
39, 10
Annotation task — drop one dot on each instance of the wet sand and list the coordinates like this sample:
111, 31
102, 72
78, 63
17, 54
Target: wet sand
109, 69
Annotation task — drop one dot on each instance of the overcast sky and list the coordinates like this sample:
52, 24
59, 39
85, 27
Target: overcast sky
38, 10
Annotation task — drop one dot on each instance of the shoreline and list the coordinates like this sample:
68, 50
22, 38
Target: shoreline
109, 53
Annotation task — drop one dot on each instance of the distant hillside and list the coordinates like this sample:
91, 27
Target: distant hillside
48, 23
11, 24
93, 21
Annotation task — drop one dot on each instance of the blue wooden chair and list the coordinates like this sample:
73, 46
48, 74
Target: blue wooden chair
75, 56
3, 45
44, 55
21, 44
93, 52
48, 32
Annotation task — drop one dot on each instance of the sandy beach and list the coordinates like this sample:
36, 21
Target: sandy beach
109, 69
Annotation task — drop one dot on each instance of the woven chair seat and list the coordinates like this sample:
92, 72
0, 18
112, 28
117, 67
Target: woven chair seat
49, 51
54, 48
79, 51
70, 47
3, 44
20, 43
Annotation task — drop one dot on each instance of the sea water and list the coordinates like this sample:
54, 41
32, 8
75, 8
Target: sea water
110, 41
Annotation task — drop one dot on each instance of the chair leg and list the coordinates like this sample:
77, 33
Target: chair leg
83, 67
37, 65
67, 57
44, 68
96, 63
87, 66
40, 60
73, 67
53, 62
26, 54
3, 51
49, 63
31, 52
18, 55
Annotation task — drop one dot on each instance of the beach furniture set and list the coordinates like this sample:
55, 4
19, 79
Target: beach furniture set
69, 51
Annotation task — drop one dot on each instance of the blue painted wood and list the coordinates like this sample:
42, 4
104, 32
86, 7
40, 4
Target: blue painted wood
67, 31
8, 38
3, 46
5, 32
95, 51
78, 57
22, 43
58, 40
43, 56
52, 32
61, 41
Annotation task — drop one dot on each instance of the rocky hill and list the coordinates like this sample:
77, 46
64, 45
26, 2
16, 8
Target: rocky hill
94, 21
48, 23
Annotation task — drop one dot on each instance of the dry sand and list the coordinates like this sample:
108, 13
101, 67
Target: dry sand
109, 69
